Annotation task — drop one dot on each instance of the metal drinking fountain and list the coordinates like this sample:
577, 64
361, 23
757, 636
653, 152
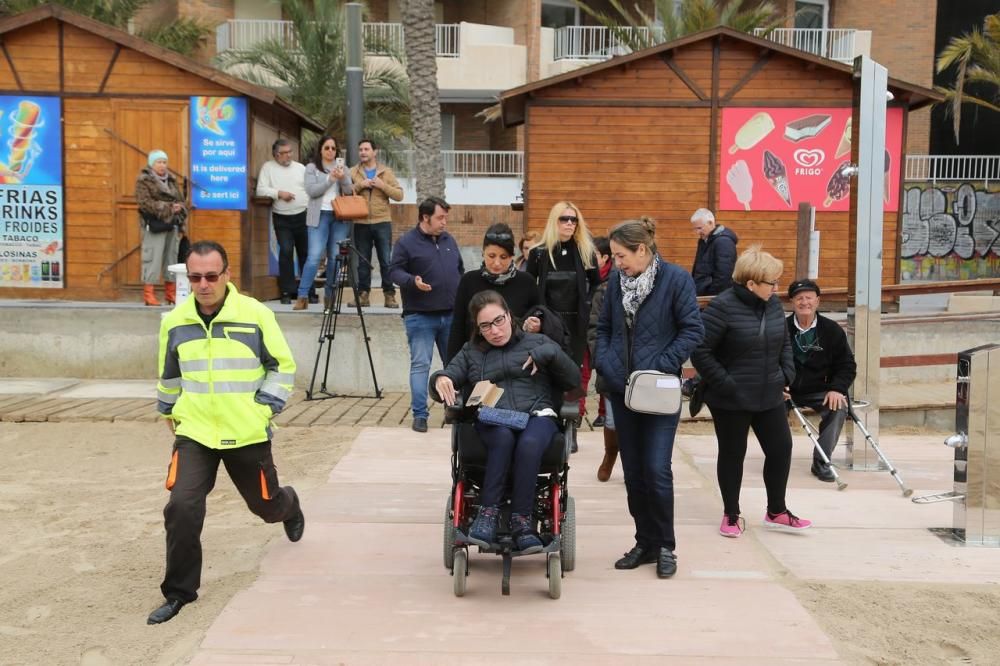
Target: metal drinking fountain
976, 494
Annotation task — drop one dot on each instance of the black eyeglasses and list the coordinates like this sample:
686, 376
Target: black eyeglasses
571, 219
487, 325
212, 278
772, 285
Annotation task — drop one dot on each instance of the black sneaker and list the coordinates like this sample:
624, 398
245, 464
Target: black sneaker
666, 564
286, 299
419, 424
484, 528
524, 535
598, 422
638, 555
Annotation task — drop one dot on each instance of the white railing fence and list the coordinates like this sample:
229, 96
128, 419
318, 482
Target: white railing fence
932, 168
379, 38
833, 43
585, 42
468, 163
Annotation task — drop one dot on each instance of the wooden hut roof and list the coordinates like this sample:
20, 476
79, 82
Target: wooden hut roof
260, 93
512, 102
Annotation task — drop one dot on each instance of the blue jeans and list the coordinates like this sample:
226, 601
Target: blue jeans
525, 450
378, 235
646, 444
323, 238
423, 333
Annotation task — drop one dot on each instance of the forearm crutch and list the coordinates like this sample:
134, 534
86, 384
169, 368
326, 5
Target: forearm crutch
813, 434
878, 451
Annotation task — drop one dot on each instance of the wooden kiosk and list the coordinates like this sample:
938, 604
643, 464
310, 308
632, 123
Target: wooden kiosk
120, 97
721, 119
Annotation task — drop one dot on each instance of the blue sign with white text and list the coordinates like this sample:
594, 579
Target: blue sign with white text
219, 153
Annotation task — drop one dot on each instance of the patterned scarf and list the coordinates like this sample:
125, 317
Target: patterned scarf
500, 279
636, 289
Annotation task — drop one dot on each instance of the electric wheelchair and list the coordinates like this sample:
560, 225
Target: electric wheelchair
554, 513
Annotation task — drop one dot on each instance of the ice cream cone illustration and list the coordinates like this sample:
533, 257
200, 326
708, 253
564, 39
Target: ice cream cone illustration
887, 183
777, 176
213, 110
741, 182
839, 185
23, 149
753, 130
844, 146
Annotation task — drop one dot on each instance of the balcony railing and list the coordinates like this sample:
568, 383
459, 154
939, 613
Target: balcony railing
380, 38
585, 42
469, 163
953, 168
833, 43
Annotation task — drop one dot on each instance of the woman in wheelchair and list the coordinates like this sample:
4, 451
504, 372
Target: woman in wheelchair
529, 367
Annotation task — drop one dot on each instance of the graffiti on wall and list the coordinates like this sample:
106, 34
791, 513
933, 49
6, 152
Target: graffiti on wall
950, 232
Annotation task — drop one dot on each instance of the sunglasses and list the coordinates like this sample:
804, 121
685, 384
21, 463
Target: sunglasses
329, 147
196, 278
568, 219
487, 325
499, 237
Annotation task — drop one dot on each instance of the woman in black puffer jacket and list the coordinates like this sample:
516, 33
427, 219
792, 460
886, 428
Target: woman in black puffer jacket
747, 364
528, 367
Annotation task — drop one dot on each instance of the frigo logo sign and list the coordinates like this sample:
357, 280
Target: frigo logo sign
809, 161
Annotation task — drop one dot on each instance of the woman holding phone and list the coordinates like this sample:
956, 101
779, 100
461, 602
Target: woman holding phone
326, 178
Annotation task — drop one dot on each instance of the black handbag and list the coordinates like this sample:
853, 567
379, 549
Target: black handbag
155, 224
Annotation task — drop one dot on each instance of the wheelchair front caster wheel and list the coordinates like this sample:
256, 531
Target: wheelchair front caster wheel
460, 571
553, 569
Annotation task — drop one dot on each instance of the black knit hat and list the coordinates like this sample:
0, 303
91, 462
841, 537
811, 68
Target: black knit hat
802, 285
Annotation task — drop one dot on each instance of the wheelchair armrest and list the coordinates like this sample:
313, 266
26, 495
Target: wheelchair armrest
569, 411
453, 414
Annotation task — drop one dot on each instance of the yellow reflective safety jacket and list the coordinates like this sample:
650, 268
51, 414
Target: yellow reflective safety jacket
222, 384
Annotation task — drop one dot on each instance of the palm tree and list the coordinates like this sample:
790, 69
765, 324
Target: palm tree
425, 110
183, 35
309, 68
977, 55
637, 30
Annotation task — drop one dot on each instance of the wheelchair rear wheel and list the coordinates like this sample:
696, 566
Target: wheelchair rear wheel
568, 547
460, 571
553, 569
449, 537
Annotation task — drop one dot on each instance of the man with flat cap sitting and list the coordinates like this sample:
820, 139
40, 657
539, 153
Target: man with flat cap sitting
824, 368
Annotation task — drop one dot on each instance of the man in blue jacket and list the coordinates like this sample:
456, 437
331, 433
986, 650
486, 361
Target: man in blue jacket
715, 257
427, 266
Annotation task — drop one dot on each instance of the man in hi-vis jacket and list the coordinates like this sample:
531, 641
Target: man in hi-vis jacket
225, 370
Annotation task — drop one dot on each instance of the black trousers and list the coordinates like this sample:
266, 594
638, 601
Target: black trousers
771, 428
190, 479
293, 243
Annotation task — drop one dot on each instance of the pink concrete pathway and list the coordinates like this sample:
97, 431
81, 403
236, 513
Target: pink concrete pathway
366, 585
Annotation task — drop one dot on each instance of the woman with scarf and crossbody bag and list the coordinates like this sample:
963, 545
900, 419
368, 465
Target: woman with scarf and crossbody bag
649, 322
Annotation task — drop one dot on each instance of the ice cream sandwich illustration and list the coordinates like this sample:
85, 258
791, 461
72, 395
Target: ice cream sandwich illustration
777, 176
839, 185
741, 182
806, 128
844, 146
760, 125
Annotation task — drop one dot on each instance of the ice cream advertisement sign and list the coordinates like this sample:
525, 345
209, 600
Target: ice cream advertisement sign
219, 153
31, 191
777, 158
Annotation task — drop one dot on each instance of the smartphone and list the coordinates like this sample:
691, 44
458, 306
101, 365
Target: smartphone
340, 162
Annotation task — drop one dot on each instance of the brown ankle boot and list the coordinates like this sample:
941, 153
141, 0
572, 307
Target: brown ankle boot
390, 300
363, 298
610, 455
301, 304
170, 292
149, 295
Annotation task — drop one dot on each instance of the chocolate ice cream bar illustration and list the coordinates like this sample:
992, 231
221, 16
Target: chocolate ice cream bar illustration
806, 128
777, 176
886, 184
839, 185
741, 182
844, 146
760, 125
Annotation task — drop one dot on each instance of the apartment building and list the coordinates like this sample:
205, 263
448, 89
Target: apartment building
486, 46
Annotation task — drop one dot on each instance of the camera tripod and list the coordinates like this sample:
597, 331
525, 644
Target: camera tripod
328, 329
